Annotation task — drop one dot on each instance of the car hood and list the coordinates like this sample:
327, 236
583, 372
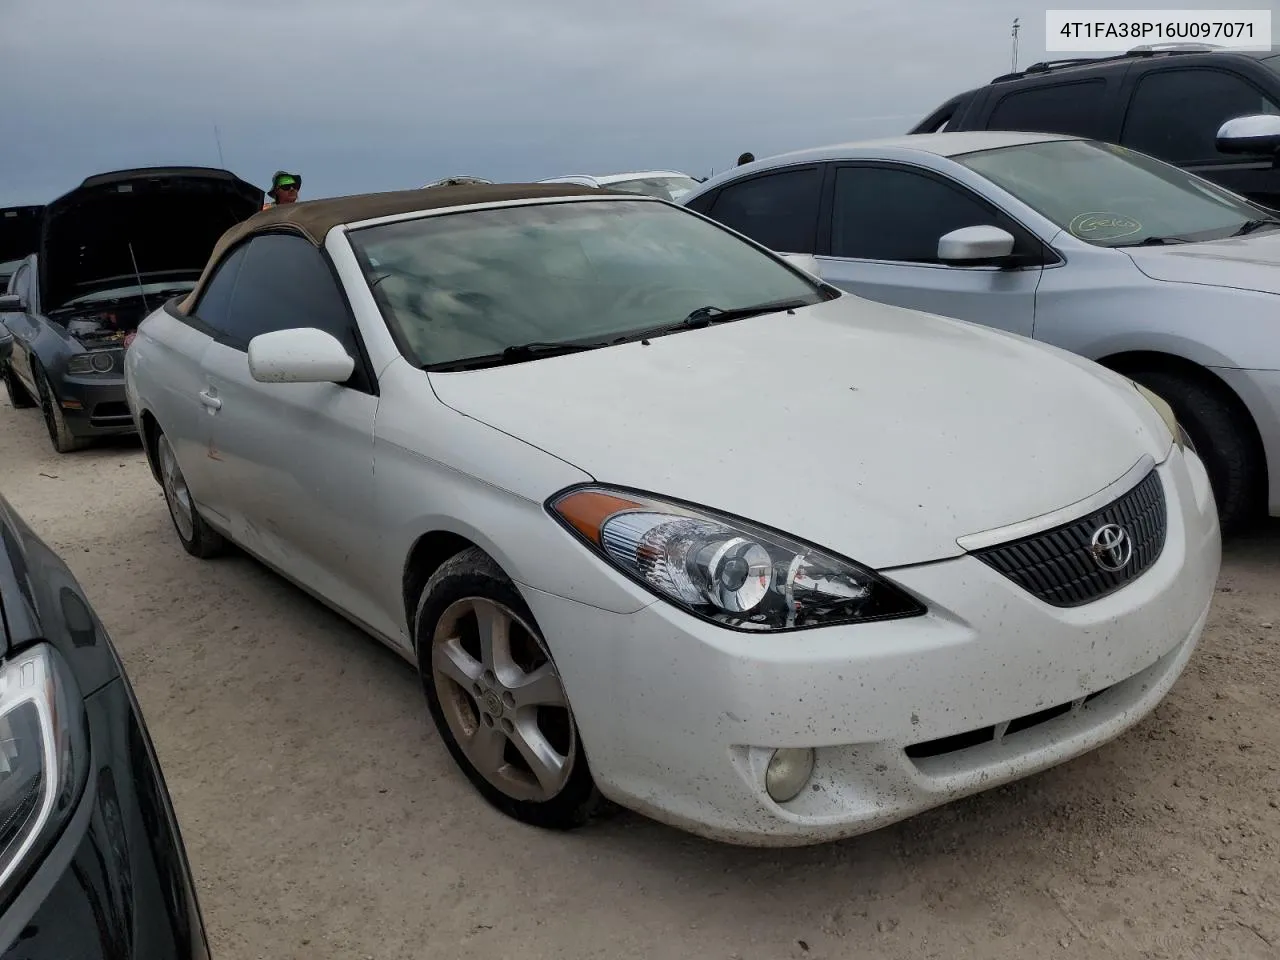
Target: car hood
1244, 263
19, 232
876, 431
159, 222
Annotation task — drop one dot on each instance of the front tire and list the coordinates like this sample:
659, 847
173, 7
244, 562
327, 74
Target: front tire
1231, 457
496, 698
55, 421
197, 537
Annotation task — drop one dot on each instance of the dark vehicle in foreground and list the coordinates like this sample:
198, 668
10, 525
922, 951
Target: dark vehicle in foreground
110, 251
19, 236
1183, 104
92, 864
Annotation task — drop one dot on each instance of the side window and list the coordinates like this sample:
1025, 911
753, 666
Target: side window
778, 210
1069, 108
1175, 114
703, 203
886, 213
214, 307
285, 282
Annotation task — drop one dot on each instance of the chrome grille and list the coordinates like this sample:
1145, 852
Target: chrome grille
1059, 567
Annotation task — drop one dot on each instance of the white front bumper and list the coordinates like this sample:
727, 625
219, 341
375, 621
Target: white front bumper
678, 717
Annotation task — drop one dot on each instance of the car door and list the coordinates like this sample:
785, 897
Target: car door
777, 208
169, 358
1174, 114
294, 461
879, 239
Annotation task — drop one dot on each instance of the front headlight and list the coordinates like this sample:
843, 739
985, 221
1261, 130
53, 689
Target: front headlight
99, 361
1167, 415
43, 758
724, 569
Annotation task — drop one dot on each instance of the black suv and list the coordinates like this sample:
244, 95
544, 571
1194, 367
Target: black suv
1169, 103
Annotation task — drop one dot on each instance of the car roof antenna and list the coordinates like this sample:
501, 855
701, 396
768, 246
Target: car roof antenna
138, 273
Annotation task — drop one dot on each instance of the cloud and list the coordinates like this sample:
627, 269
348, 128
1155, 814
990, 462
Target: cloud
393, 93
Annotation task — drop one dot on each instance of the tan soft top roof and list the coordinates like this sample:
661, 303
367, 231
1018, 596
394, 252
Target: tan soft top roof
313, 219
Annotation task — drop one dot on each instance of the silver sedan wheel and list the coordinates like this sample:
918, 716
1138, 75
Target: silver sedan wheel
503, 700
176, 494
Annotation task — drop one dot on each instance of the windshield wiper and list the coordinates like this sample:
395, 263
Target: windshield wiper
704, 316
518, 353
1251, 225
1154, 242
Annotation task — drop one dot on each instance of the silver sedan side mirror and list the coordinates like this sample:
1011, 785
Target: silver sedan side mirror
969, 244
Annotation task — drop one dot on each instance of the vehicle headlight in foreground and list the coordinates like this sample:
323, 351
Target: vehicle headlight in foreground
725, 569
43, 758
1167, 415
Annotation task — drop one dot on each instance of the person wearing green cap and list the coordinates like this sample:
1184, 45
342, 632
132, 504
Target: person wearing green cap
284, 188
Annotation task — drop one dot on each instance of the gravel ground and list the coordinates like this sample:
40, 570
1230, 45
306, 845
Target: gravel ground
325, 820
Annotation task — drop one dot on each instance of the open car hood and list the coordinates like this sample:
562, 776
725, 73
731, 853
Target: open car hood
160, 222
19, 232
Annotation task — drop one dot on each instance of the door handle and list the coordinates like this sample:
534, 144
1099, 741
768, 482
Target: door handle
210, 401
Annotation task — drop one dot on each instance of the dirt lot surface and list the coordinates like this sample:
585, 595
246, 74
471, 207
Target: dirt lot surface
325, 820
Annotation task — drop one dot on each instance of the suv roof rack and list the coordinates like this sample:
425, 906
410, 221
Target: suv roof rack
1146, 50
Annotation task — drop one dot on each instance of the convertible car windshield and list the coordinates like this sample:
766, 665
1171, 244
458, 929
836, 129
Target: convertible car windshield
1113, 197
475, 283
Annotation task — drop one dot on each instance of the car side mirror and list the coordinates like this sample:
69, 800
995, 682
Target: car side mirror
12, 303
805, 261
301, 355
1255, 133
973, 245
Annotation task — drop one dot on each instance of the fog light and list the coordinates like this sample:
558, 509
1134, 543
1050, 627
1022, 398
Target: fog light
788, 771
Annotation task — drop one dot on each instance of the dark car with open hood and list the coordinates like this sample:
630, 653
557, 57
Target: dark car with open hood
109, 252
92, 864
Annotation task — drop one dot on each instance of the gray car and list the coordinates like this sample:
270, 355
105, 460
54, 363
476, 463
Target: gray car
109, 252
1111, 254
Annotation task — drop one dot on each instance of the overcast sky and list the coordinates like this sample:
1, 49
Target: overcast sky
390, 94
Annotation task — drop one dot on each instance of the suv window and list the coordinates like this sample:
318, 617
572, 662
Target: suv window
1175, 114
1069, 108
891, 213
285, 282
777, 210
214, 306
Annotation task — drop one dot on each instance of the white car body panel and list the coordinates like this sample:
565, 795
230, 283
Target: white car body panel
744, 417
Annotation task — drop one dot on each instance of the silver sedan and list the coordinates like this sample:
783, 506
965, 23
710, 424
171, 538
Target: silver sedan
1111, 254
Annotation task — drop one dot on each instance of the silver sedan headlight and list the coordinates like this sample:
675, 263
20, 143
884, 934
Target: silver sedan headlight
725, 569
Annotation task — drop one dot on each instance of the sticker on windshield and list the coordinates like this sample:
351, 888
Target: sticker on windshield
1103, 226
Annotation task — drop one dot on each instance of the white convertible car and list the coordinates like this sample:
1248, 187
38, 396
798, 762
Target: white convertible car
663, 518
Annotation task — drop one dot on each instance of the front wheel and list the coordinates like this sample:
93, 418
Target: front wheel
496, 697
55, 421
18, 395
1231, 456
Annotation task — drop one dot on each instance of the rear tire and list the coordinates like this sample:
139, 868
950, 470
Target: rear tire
18, 395
1231, 456
197, 537
498, 703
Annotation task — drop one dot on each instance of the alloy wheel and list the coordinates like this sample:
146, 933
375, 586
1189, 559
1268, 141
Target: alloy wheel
176, 494
503, 700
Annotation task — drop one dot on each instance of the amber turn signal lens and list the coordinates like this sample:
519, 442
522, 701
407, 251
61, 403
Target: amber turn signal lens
587, 510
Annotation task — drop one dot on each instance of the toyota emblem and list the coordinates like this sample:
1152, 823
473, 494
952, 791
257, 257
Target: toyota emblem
1112, 547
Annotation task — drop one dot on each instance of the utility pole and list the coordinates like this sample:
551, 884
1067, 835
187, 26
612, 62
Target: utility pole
1015, 45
